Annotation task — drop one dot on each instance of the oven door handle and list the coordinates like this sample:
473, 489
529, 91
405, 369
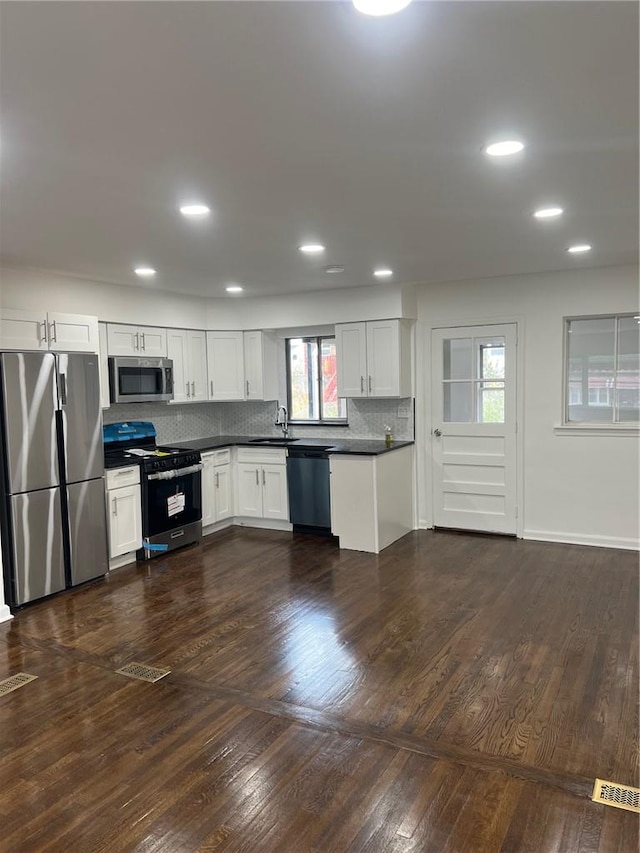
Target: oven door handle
176, 472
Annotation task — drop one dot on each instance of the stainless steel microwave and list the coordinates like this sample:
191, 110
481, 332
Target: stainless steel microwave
140, 380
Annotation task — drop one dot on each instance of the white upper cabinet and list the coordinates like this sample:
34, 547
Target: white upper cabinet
374, 359
188, 351
260, 366
136, 340
225, 366
41, 330
103, 365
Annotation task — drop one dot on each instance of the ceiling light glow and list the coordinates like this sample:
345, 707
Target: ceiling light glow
504, 149
195, 210
312, 248
380, 7
383, 272
579, 248
548, 212
234, 288
145, 272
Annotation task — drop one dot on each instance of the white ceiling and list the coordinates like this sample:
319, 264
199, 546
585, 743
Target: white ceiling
307, 121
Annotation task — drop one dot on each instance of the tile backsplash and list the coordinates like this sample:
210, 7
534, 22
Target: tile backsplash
367, 419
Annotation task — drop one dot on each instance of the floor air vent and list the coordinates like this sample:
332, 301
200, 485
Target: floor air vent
620, 796
143, 672
17, 680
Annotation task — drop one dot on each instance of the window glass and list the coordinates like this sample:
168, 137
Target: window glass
312, 381
603, 369
458, 358
473, 384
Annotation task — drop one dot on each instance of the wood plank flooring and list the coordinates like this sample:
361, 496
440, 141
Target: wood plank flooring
454, 693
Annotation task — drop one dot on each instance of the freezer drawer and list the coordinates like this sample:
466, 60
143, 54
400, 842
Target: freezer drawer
88, 557
38, 557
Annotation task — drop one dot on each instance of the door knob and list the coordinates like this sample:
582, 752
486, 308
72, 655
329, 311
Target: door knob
437, 432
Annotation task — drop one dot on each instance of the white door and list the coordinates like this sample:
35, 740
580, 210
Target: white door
125, 525
208, 490
275, 500
222, 482
178, 352
225, 363
473, 430
351, 359
23, 330
73, 333
198, 359
383, 358
249, 490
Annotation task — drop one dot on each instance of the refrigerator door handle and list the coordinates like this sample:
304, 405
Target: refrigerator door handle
63, 389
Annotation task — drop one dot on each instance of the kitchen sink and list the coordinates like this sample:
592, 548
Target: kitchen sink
272, 440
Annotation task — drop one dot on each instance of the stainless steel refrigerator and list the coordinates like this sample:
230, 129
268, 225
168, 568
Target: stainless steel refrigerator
52, 501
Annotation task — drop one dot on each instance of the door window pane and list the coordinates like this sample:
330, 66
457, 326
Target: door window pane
458, 402
458, 358
491, 402
492, 359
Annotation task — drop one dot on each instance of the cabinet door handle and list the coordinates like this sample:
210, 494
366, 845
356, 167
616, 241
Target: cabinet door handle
369, 384
362, 384
115, 506
144, 346
53, 337
193, 389
264, 478
188, 394
44, 331
211, 383
257, 478
136, 344
247, 387
217, 480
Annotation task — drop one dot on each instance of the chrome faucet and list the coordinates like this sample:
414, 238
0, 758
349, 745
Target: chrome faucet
282, 420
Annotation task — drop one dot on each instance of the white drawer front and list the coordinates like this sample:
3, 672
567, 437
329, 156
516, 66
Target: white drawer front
263, 455
222, 457
117, 477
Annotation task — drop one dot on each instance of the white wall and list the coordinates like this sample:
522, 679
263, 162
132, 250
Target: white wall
576, 488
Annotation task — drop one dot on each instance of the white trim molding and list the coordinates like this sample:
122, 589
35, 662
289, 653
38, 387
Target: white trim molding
597, 429
593, 540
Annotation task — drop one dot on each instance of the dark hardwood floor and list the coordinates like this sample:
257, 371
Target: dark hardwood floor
454, 693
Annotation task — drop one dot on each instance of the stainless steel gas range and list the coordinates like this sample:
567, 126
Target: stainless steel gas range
170, 481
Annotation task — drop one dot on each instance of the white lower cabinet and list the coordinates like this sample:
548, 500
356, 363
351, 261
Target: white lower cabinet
217, 492
262, 484
124, 514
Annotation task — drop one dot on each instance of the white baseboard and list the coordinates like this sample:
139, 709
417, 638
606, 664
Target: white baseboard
583, 539
215, 528
263, 523
5, 613
122, 560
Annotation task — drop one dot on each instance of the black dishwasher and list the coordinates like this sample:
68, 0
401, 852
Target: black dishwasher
308, 482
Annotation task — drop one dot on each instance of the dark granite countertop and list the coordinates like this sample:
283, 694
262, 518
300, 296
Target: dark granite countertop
355, 446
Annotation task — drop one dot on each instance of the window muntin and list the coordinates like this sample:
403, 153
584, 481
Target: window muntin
312, 387
602, 370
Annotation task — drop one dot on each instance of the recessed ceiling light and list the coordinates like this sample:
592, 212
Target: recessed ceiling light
145, 272
504, 149
334, 268
548, 212
194, 210
383, 272
579, 248
312, 248
234, 288
380, 7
